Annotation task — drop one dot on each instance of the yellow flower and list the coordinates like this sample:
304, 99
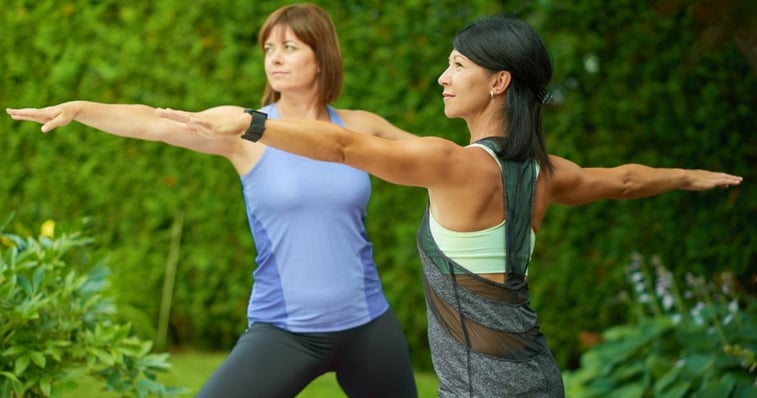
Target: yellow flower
48, 228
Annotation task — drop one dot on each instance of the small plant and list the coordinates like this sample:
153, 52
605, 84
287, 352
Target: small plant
697, 342
57, 325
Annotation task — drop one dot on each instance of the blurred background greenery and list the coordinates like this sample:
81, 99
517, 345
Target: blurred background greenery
668, 83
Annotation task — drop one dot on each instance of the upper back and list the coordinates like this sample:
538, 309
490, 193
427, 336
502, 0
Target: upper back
473, 201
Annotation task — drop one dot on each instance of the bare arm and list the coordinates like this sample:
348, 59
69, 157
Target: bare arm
127, 120
573, 185
423, 162
371, 123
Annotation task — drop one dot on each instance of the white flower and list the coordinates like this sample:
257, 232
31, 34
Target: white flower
667, 302
733, 307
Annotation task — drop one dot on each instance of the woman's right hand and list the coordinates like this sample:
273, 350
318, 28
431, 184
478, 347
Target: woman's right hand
49, 117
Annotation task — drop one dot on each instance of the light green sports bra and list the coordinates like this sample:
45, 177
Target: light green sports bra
480, 252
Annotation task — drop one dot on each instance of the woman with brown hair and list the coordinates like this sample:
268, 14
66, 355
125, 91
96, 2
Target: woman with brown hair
317, 304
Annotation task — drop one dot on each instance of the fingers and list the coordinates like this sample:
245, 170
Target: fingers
27, 114
49, 117
56, 121
181, 117
194, 123
178, 116
44, 116
711, 180
727, 180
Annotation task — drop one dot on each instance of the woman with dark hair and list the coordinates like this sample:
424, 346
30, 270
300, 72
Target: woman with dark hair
317, 304
486, 202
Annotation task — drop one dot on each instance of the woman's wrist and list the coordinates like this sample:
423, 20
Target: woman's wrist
256, 125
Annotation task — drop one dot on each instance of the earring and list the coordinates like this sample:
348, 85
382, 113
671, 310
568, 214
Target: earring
491, 94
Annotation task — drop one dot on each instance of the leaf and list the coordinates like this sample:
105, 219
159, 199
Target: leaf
677, 391
719, 387
38, 358
657, 365
10, 376
39, 275
24, 283
667, 380
105, 357
21, 364
156, 362
147, 386
54, 352
699, 364
46, 385
11, 351
629, 391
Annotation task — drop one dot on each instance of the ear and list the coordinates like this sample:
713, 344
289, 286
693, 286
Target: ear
500, 81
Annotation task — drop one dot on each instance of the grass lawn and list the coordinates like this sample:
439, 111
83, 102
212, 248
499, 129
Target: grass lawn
190, 369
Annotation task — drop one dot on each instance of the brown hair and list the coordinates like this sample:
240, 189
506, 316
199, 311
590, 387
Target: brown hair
313, 25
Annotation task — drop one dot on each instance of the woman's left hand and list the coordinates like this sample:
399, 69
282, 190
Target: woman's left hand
208, 125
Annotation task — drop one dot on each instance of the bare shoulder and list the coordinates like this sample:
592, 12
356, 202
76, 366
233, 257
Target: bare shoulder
360, 120
367, 122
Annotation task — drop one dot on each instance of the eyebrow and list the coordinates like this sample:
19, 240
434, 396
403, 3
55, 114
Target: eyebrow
286, 41
457, 57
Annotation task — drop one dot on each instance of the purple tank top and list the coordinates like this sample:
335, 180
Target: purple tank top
315, 269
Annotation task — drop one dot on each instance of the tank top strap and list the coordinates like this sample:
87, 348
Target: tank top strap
519, 182
272, 110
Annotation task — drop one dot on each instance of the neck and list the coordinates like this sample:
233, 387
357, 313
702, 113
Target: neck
486, 124
292, 107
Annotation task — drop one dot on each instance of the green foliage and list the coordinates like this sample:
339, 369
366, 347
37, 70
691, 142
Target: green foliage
695, 343
57, 324
632, 83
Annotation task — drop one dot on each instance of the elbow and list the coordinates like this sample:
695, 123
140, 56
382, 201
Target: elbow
630, 185
340, 149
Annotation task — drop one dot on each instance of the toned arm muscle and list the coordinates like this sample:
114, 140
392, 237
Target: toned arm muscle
422, 162
573, 185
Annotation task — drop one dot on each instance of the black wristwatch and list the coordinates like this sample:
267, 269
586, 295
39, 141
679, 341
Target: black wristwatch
257, 125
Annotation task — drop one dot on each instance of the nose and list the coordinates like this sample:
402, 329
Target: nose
443, 79
274, 56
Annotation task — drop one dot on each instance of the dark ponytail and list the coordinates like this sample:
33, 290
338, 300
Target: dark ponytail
505, 43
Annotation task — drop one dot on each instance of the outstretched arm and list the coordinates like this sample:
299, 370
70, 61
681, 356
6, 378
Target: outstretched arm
423, 162
573, 185
125, 120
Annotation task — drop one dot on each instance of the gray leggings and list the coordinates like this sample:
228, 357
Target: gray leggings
370, 361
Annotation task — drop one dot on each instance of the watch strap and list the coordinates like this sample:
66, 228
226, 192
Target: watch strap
257, 125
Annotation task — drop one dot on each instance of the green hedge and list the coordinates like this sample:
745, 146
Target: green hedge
627, 86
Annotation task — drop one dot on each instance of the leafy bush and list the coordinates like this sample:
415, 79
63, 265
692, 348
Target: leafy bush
56, 324
699, 343
632, 83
